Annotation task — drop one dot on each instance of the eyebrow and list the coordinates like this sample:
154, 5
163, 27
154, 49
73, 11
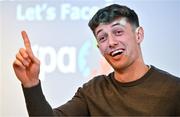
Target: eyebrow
111, 26
117, 24
99, 31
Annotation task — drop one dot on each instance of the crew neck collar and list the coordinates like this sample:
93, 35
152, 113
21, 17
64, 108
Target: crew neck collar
136, 82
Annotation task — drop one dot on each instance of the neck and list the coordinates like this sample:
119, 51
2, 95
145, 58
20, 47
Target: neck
133, 72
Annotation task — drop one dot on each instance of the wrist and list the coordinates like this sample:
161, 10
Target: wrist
31, 84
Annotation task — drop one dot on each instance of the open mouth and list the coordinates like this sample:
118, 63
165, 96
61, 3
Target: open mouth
116, 52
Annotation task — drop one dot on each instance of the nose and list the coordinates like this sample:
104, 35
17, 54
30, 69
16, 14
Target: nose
112, 41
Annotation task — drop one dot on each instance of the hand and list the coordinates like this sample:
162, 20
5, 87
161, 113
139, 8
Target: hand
26, 65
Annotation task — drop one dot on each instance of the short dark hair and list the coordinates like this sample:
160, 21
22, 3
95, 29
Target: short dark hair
110, 13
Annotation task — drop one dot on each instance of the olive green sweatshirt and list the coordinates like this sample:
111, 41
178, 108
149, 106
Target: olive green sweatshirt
156, 93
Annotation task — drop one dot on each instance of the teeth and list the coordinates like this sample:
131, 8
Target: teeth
116, 52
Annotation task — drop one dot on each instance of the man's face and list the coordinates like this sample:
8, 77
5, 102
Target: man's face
119, 43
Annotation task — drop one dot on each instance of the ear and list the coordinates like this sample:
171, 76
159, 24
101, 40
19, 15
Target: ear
100, 49
97, 46
139, 35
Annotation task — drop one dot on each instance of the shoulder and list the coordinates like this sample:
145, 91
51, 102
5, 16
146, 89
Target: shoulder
100, 81
164, 75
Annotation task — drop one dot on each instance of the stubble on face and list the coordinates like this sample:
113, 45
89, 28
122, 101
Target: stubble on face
121, 60
104, 48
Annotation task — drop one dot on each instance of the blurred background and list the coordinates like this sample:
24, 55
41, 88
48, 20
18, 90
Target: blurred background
63, 42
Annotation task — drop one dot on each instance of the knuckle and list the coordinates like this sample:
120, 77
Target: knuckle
14, 62
17, 55
21, 49
22, 52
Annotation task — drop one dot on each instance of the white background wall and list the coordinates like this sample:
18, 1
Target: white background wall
0, 63
160, 19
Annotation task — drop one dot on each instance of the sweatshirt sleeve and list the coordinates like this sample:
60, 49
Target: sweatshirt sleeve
77, 106
35, 101
38, 106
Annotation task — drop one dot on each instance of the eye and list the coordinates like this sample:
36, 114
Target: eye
118, 32
102, 39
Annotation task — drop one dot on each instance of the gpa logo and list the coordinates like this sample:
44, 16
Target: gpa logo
69, 60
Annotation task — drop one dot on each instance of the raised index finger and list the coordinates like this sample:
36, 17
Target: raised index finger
26, 40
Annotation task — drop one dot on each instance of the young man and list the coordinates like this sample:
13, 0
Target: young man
134, 88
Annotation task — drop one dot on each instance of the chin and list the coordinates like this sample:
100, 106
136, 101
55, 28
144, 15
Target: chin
120, 65
117, 66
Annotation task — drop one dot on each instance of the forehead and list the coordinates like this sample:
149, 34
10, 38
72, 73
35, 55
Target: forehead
121, 22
